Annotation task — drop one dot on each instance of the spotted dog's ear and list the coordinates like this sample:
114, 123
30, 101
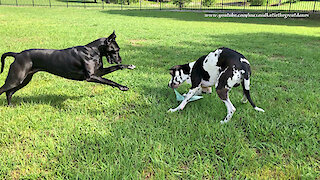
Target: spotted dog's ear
173, 69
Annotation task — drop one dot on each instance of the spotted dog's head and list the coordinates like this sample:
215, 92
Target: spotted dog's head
179, 74
110, 49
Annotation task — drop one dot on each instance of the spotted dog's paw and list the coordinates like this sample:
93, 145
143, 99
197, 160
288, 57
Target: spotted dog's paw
244, 100
173, 110
259, 109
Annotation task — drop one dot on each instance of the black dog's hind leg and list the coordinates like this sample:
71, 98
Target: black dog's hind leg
104, 71
10, 92
101, 80
19, 75
7, 87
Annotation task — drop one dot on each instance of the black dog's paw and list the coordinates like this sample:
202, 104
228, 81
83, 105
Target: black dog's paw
127, 66
123, 88
131, 66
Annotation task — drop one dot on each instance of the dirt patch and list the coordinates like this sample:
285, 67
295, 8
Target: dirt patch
15, 174
137, 42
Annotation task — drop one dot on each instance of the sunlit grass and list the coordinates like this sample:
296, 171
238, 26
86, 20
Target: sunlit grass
60, 128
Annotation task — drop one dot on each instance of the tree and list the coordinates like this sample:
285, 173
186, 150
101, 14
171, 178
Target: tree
181, 3
208, 3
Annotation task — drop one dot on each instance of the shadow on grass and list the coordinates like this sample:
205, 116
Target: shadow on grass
49, 99
256, 46
276, 60
266, 51
191, 16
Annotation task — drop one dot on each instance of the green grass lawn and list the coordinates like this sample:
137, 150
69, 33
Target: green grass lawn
61, 129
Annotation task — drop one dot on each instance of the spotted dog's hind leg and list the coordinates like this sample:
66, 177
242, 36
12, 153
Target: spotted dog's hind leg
227, 79
223, 95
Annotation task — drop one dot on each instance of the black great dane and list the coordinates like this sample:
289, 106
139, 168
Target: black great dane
76, 63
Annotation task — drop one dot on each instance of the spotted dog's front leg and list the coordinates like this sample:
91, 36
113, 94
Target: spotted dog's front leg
186, 100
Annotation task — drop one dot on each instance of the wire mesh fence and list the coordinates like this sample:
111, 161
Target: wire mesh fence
235, 5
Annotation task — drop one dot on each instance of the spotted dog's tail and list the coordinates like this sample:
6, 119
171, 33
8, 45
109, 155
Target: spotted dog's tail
4, 57
246, 91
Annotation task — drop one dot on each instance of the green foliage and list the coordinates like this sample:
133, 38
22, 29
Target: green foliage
208, 3
258, 2
181, 3
64, 129
127, 2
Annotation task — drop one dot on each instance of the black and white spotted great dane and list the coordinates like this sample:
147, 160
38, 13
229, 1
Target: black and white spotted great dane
223, 68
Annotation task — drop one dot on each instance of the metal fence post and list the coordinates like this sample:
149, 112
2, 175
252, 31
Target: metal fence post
140, 4
16, 2
314, 6
244, 4
290, 5
50, 3
67, 3
102, 4
222, 3
160, 5
121, 4
33, 3
267, 6
84, 3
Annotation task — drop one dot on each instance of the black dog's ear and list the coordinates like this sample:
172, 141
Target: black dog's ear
112, 37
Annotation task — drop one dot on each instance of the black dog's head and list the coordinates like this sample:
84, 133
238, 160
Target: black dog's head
110, 49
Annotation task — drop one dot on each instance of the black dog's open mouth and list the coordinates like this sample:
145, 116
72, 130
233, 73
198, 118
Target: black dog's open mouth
112, 61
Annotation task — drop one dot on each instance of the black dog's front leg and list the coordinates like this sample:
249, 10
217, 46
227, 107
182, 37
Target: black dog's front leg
104, 71
102, 80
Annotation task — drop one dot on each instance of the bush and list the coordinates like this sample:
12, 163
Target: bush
258, 2
181, 3
122, 1
208, 3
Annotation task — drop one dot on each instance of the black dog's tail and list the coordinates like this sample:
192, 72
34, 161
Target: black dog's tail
4, 56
